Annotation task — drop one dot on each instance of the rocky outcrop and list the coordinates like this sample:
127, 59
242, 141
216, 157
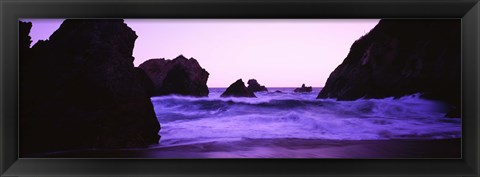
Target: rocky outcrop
238, 89
402, 57
82, 90
23, 36
180, 76
254, 86
24, 41
303, 89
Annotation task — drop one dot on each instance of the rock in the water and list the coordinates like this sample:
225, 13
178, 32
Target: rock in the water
402, 57
238, 89
180, 76
303, 89
81, 90
254, 86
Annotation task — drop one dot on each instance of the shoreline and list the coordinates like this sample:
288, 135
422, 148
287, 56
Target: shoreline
282, 148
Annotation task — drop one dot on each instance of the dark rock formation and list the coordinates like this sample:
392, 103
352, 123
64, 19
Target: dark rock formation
82, 90
178, 76
144, 81
24, 39
238, 89
402, 57
303, 89
254, 86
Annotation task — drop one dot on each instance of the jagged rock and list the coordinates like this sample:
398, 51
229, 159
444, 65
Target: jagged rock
303, 89
238, 89
180, 76
24, 50
254, 86
24, 39
402, 57
82, 90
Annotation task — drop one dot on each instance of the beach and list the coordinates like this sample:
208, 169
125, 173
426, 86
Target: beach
286, 148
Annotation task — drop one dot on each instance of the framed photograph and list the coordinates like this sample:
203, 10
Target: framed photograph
239, 88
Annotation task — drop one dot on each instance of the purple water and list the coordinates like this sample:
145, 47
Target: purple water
285, 115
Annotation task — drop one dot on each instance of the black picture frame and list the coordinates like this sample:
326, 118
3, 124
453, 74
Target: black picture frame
11, 11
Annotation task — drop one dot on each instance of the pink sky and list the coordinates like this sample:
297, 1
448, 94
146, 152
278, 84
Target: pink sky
276, 52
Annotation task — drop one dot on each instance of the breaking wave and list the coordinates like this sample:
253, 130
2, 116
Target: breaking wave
285, 114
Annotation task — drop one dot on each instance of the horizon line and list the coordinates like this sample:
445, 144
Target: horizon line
276, 87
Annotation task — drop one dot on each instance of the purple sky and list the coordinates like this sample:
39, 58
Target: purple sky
276, 52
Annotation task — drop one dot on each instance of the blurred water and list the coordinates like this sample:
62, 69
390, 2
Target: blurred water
286, 114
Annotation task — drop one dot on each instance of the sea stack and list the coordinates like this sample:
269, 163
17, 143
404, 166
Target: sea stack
179, 76
238, 89
254, 86
303, 89
81, 90
402, 57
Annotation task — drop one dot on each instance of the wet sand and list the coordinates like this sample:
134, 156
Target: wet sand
283, 148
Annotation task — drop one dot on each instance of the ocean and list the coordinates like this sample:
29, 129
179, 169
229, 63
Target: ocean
284, 124
281, 115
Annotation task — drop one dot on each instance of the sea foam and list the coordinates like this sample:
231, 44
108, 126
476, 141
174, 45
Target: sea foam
272, 115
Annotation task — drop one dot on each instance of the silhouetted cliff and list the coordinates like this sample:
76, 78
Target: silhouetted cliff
402, 57
81, 90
